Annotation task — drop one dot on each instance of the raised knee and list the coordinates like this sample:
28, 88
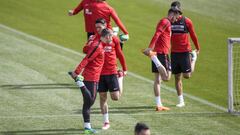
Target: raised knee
187, 76
115, 98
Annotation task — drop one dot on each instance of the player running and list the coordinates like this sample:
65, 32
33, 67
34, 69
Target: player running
182, 57
158, 51
90, 68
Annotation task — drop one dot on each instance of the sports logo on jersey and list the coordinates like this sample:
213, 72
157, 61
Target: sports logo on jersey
107, 48
87, 11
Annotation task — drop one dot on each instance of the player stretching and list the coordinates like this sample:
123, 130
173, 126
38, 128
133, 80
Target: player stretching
110, 79
90, 68
160, 44
182, 57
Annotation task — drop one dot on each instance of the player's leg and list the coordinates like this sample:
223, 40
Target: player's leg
164, 59
103, 89
120, 81
177, 71
89, 96
193, 56
157, 88
154, 57
186, 65
179, 88
104, 110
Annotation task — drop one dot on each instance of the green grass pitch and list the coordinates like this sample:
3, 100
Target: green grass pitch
37, 96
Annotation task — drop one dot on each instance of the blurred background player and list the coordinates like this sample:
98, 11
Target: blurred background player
141, 129
85, 5
160, 44
90, 68
111, 79
183, 59
94, 9
101, 9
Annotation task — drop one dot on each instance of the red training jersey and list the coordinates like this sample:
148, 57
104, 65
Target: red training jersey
92, 63
180, 38
162, 37
112, 51
86, 6
103, 10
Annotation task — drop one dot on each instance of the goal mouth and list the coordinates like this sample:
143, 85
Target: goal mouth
234, 75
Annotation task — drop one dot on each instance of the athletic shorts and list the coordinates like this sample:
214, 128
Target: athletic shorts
165, 61
108, 83
181, 62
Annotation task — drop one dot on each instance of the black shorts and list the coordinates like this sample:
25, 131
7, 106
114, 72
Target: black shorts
181, 62
108, 83
165, 61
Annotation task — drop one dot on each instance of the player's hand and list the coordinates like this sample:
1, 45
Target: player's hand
70, 12
147, 50
124, 37
73, 74
124, 73
197, 51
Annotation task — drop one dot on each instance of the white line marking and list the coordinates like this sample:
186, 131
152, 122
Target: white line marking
130, 73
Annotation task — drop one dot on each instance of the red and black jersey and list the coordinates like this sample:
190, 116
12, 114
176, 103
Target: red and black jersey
86, 6
103, 10
161, 39
180, 38
112, 51
92, 63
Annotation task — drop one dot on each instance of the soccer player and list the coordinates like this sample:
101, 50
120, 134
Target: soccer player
141, 129
183, 59
90, 68
111, 79
101, 9
160, 44
86, 6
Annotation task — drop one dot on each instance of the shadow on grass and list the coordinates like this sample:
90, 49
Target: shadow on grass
45, 132
39, 86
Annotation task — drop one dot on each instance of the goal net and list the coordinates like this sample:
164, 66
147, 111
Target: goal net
234, 75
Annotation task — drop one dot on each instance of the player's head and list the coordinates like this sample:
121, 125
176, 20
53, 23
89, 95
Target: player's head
142, 129
100, 24
173, 14
177, 6
106, 35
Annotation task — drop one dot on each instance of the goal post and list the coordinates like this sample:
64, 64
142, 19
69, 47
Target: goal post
234, 75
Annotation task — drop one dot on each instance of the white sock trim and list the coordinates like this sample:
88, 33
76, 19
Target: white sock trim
87, 125
106, 118
158, 101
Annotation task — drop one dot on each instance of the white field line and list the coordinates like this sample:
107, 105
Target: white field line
129, 73
113, 114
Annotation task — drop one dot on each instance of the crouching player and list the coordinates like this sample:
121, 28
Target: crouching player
90, 69
110, 79
158, 51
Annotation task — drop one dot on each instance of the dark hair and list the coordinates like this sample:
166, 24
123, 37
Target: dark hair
105, 32
100, 20
140, 126
176, 5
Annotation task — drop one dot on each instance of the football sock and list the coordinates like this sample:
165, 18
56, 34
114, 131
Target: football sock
106, 118
180, 98
87, 125
158, 101
80, 84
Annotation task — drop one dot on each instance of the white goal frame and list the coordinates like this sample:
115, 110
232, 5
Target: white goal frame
231, 42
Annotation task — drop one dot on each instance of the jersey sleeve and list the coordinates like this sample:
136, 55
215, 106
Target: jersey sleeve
120, 54
162, 25
192, 33
78, 8
117, 20
92, 53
